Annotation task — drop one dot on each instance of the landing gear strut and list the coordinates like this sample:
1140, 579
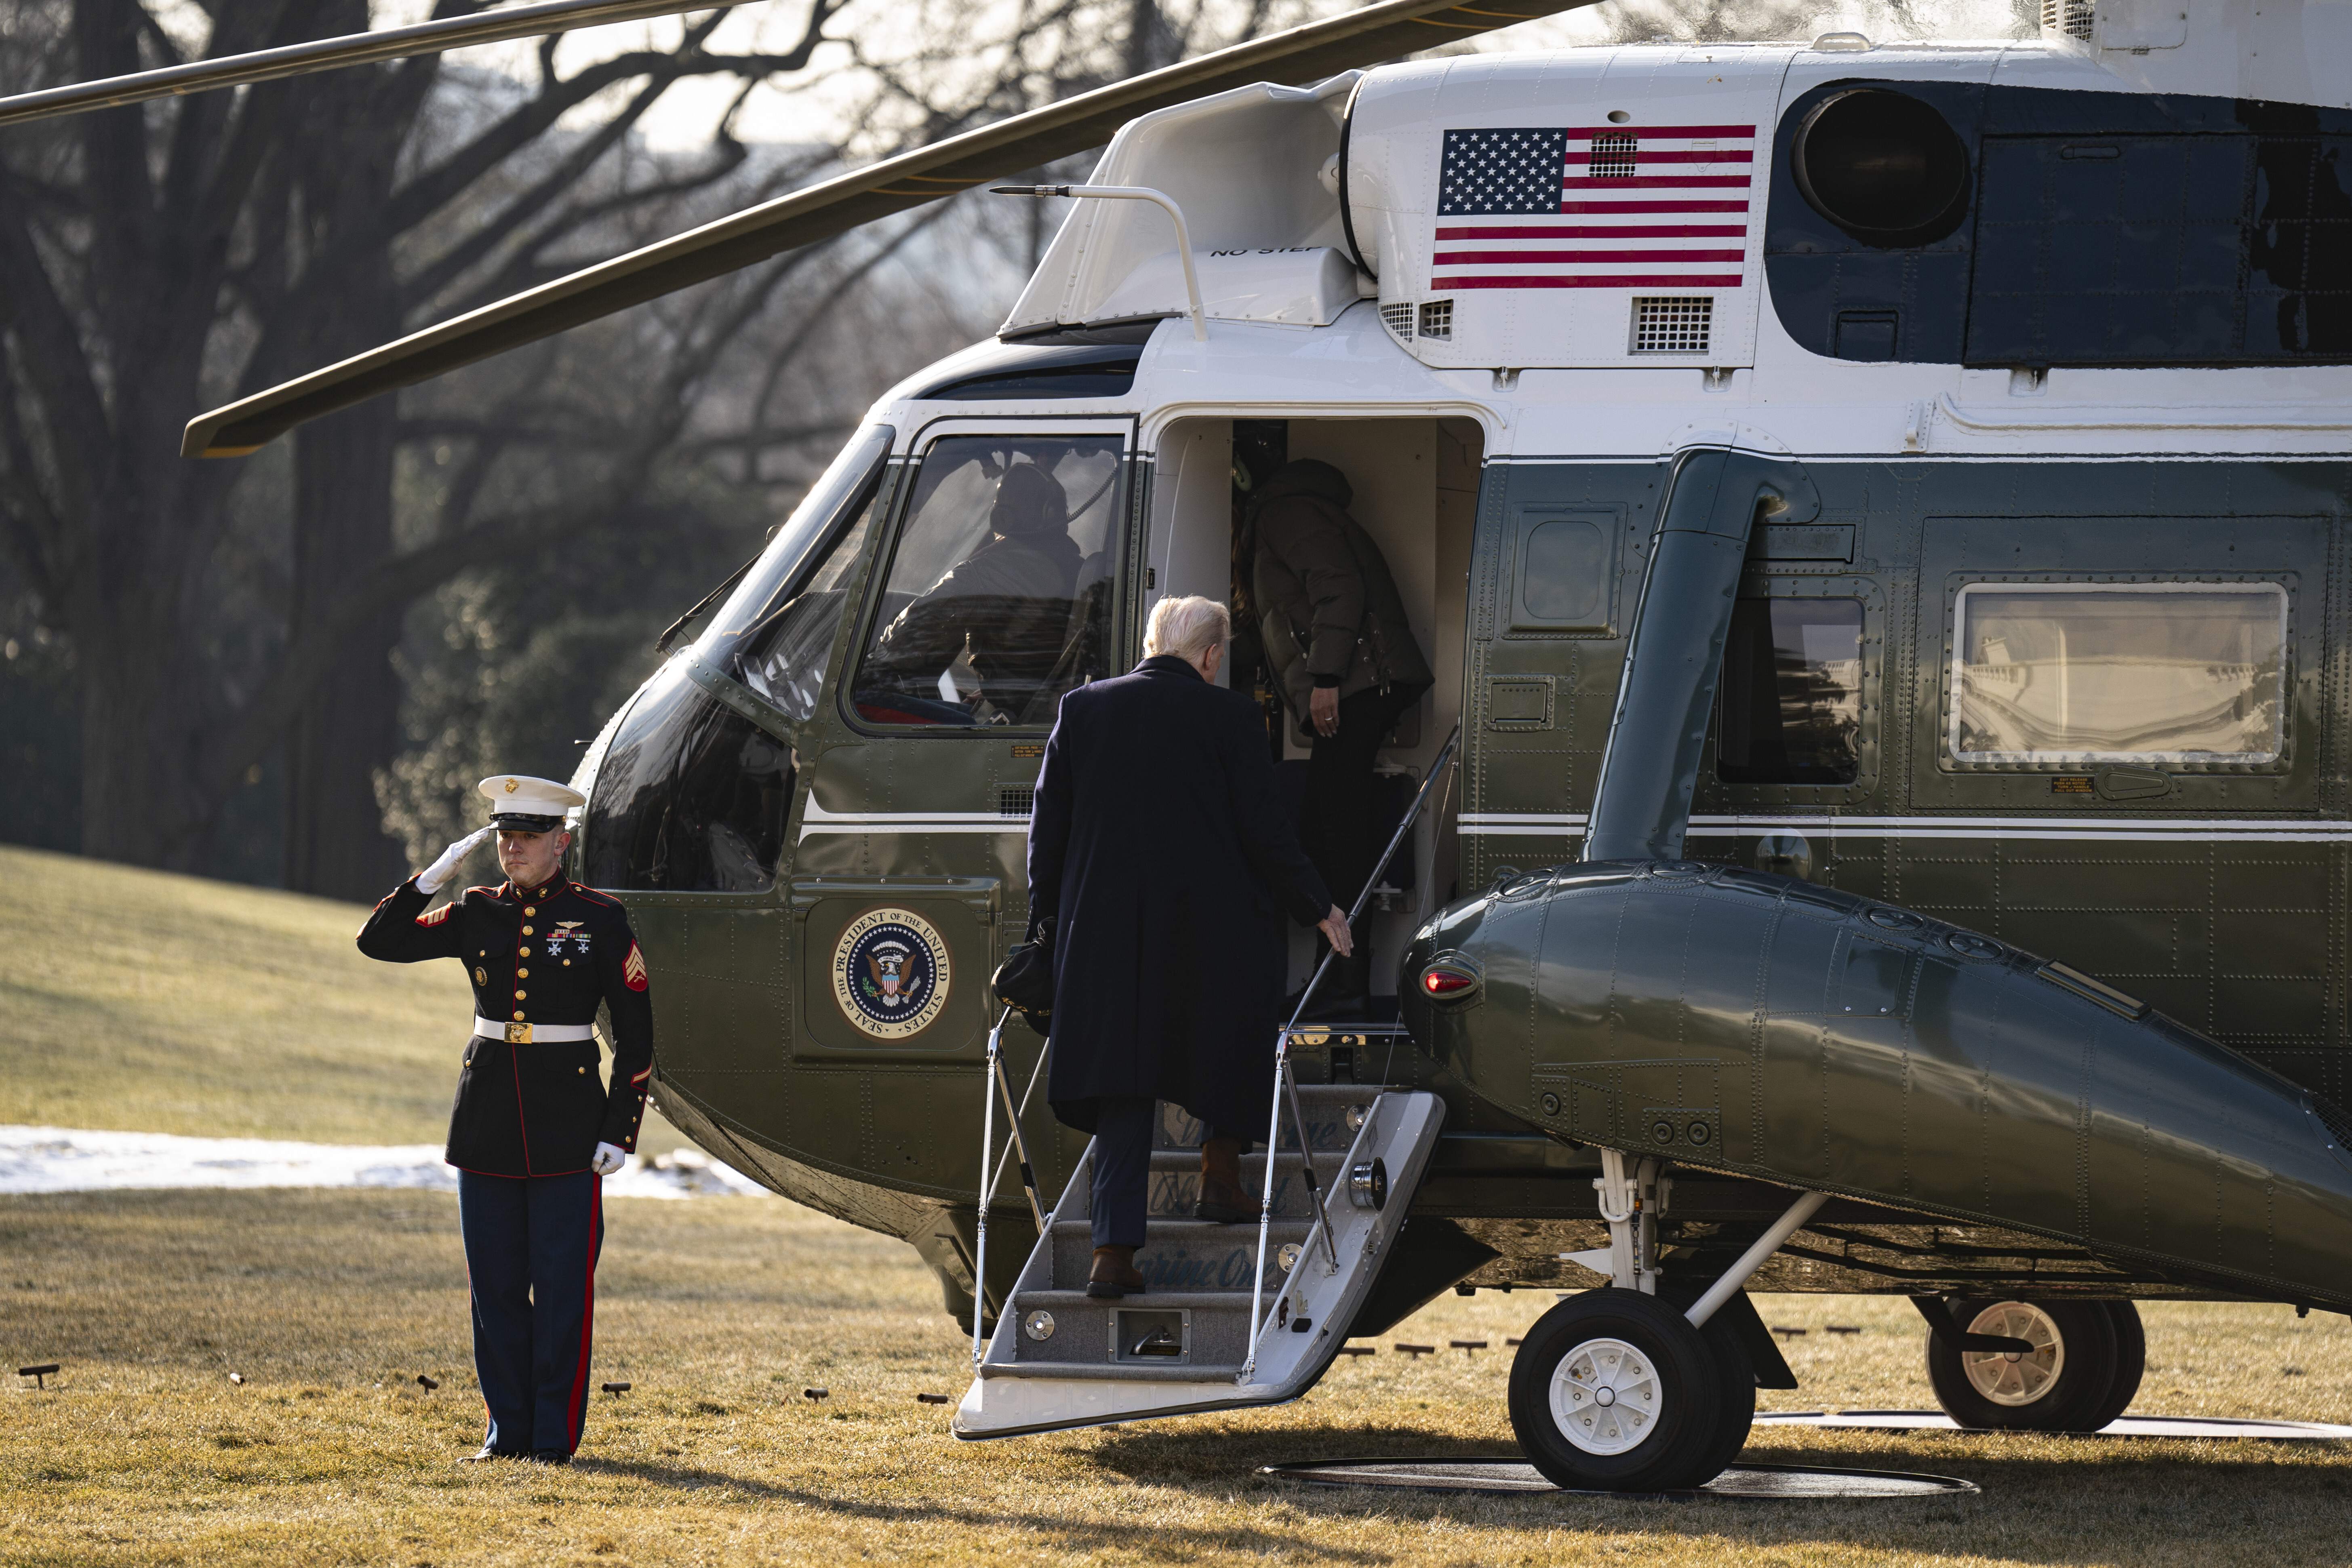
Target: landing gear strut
1621, 1389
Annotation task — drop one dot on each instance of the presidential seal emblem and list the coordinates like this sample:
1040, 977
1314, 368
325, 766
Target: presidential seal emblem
890, 972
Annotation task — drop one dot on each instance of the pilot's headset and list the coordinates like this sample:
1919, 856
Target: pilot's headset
1029, 501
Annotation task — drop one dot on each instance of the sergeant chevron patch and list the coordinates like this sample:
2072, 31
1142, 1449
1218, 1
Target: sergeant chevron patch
435, 916
632, 968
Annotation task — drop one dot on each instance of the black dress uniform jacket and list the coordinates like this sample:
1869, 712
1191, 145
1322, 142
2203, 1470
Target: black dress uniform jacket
536, 955
1160, 846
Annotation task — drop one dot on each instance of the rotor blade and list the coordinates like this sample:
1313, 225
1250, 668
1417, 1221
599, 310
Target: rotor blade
327, 54
1377, 32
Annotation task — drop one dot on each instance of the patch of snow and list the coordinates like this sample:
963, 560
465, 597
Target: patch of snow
75, 1160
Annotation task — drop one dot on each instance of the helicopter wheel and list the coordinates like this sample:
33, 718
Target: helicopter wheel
1614, 1390
2064, 1384
2131, 1363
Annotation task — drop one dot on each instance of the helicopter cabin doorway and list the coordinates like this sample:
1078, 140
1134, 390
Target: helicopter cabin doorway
1416, 490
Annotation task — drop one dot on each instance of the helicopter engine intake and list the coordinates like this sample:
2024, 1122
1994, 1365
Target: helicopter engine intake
1754, 1023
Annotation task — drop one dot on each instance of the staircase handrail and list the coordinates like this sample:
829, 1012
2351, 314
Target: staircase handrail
999, 1086
1286, 1084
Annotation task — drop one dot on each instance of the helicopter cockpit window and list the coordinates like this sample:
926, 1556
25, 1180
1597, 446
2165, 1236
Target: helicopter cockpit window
2068, 673
998, 598
1790, 708
777, 627
691, 797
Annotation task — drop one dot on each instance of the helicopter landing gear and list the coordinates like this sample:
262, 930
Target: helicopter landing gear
2081, 1372
1623, 1389
1615, 1391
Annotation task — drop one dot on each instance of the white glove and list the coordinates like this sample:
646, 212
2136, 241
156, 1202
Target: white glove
429, 879
608, 1159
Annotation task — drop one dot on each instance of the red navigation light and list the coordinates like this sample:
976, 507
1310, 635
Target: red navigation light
1446, 982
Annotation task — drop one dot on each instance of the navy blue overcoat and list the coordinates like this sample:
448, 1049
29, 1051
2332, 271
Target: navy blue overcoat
1160, 848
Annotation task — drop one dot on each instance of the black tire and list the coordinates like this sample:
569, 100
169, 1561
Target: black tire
2061, 1389
1735, 1414
2131, 1364
1670, 1443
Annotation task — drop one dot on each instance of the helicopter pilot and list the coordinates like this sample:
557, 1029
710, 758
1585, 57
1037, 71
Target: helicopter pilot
534, 1129
988, 634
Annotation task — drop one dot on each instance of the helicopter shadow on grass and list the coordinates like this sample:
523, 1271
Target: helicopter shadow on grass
1178, 1543
2092, 1498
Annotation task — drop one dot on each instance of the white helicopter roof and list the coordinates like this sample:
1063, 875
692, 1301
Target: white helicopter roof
1470, 179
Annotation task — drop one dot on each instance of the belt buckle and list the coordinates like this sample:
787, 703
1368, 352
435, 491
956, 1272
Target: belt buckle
518, 1034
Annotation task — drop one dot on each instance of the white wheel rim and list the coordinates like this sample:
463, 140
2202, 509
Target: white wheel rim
1605, 1396
2014, 1378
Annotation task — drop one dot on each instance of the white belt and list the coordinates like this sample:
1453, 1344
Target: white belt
531, 1034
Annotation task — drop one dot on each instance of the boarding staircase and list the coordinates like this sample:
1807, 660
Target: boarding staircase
1232, 1315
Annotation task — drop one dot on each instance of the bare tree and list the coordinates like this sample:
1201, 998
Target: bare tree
157, 260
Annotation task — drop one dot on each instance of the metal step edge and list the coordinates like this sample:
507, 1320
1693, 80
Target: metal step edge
1189, 1159
1164, 1301
1156, 1229
1121, 1372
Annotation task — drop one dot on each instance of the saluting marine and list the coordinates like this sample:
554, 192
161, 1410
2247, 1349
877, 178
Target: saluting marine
535, 1129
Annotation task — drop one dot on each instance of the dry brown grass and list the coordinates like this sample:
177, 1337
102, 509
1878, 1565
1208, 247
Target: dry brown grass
720, 1311
150, 1003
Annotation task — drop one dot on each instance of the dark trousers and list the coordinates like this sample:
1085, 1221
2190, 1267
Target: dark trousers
530, 1256
1125, 1125
1335, 817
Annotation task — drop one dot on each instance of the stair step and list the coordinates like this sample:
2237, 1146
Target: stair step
1179, 1253
1124, 1372
1193, 1300
1204, 1326
1324, 1106
1173, 1185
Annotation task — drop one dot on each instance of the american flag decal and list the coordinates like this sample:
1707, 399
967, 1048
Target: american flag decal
633, 969
1649, 206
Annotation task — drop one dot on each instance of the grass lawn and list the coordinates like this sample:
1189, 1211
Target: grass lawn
721, 1310
144, 1001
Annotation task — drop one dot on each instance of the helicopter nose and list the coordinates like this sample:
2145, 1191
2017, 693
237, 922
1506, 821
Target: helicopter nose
686, 793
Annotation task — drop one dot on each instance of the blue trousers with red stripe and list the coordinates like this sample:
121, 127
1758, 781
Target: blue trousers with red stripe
531, 1253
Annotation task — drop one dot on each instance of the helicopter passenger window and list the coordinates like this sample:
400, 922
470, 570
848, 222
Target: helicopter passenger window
998, 599
689, 798
2143, 672
1790, 708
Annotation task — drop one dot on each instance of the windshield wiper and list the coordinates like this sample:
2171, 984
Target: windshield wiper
669, 636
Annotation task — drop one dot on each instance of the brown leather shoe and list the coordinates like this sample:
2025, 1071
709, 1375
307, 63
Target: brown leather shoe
1222, 1198
1114, 1274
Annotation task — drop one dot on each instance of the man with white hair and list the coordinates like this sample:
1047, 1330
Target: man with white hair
1159, 858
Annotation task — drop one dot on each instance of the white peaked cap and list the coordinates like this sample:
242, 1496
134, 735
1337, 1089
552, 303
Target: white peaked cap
519, 795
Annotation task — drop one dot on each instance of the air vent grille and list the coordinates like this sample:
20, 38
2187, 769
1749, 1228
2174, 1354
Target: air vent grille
1016, 800
1670, 325
2070, 17
1613, 151
1437, 319
1398, 319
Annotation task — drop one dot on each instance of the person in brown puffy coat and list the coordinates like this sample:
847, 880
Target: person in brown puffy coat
1346, 663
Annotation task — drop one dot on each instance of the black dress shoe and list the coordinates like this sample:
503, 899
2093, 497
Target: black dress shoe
549, 1457
488, 1454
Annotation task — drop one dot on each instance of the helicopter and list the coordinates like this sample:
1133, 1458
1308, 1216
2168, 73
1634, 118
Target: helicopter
1878, 515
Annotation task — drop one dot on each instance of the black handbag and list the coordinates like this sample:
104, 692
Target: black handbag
1025, 981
